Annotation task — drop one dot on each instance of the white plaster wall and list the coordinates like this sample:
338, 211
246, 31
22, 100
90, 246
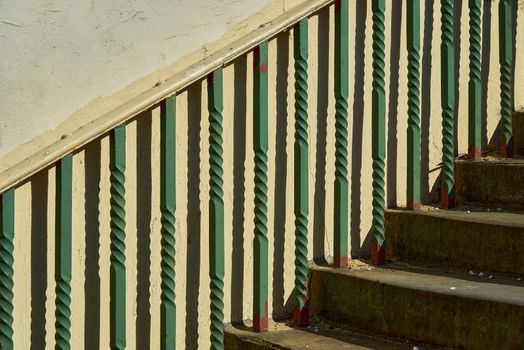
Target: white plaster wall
57, 55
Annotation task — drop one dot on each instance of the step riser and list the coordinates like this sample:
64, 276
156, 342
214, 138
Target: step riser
491, 184
436, 241
518, 133
420, 315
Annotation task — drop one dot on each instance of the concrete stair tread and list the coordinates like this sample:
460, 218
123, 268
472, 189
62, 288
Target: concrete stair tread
501, 288
466, 238
490, 182
471, 214
426, 305
319, 336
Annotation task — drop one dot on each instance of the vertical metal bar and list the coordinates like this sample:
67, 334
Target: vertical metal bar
118, 224
260, 145
447, 59
63, 237
340, 256
216, 209
168, 207
378, 132
413, 40
506, 83
301, 172
7, 226
475, 85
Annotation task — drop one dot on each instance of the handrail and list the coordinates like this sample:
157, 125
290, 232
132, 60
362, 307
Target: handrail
119, 115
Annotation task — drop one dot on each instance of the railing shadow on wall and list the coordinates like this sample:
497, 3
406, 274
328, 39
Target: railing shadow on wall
150, 166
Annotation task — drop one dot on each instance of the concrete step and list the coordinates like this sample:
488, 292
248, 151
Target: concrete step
518, 133
463, 311
490, 182
321, 336
468, 239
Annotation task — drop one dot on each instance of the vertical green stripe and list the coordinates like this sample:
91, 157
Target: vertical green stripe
301, 171
506, 82
413, 40
260, 139
7, 225
378, 131
447, 61
168, 206
63, 236
340, 258
216, 209
475, 85
118, 224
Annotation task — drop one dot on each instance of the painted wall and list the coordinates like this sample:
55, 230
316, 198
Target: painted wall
58, 55
34, 240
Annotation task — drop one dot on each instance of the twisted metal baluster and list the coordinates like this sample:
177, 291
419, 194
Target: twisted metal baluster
260, 146
63, 233
506, 82
447, 49
7, 227
475, 85
340, 242
379, 132
216, 209
301, 172
168, 207
413, 33
117, 269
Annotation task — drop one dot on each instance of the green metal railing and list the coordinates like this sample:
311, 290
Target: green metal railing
299, 23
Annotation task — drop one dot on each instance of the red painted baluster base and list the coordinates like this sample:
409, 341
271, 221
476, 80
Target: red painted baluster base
447, 201
506, 148
378, 253
301, 314
474, 152
261, 324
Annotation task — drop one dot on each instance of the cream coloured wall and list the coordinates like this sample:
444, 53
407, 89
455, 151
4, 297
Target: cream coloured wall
34, 246
57, 56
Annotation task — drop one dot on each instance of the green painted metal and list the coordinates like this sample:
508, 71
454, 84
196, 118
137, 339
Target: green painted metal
63, 241
301, 172
118, 224
168, 207
413, 41
447, 61
475, 84
216, 209
378, 131
7, 225
260, 146
340, 256
506, 80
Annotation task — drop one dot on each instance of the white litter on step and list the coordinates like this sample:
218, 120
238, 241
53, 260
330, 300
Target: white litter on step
490, 276
452, 288
415, 348
481, 274
471, 273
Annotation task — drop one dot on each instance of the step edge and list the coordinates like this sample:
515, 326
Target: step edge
458, 293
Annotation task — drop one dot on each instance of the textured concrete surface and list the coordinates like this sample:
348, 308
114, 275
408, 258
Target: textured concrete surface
452, 310
518, 133
490, 182
488, 241
284, 337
